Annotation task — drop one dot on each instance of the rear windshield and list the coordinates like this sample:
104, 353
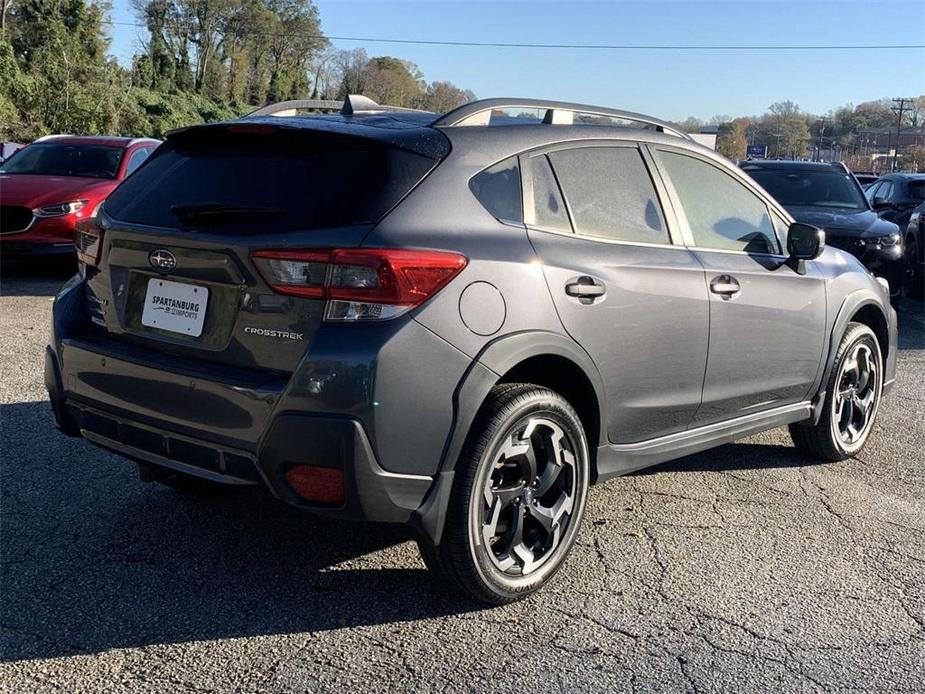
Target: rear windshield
281, 182
795, 188
50, 159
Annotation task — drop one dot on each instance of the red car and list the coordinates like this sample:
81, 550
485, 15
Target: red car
48, 186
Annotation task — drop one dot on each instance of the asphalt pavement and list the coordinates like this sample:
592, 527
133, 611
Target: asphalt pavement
747, 568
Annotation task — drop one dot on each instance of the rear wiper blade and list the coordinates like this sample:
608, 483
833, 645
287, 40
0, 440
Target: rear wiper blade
219, 211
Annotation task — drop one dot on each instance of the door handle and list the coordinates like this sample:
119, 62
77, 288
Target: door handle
585, 288
725, 286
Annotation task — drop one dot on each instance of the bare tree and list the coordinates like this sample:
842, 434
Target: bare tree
5, 6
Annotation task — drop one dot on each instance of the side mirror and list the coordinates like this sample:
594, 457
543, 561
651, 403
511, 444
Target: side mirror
881, 203
804, 242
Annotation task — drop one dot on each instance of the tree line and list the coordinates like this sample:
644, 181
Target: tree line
209, 60
203, 60
791, 133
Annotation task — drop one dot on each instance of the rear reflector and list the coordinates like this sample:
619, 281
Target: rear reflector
320, 485
363, 284
88, 240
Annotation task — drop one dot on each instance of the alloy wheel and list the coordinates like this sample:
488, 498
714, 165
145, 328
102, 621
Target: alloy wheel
856, 394
529, 496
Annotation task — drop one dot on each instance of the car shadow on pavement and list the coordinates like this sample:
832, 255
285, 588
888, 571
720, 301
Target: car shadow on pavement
741, 455
93, 559
35, 277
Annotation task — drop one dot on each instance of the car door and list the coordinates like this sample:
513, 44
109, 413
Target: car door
633, 299
767, 319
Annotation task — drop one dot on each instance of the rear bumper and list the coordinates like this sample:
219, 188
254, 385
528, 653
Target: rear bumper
371, 493
375, 401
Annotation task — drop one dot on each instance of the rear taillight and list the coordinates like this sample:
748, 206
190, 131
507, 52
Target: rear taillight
363, 284
88, 239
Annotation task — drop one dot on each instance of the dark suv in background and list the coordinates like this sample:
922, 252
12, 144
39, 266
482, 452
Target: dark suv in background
915, 253
894, 196
456, 322
899, 198
828, 196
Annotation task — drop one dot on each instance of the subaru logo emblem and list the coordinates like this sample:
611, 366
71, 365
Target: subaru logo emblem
162, 260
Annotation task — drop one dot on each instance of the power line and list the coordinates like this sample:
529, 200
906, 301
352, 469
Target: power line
570, 46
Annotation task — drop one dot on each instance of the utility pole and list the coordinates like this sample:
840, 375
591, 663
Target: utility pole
819, 145
901, 103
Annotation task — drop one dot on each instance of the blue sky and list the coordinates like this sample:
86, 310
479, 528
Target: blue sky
670, 84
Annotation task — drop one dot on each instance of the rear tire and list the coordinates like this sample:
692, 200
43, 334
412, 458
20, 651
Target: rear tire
852, 399
518, 497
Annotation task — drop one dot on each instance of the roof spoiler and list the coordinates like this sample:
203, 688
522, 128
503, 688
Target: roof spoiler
556, 113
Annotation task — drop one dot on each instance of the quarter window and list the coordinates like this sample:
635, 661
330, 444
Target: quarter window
498, 189
783, 228
722, 212
610, 194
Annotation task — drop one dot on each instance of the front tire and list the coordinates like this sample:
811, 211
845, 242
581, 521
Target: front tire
852, 399
518, 497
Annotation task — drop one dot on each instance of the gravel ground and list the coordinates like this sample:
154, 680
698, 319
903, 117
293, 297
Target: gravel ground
746, 568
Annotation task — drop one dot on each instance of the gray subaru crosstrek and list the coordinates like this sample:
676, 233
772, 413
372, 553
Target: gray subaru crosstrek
456, 322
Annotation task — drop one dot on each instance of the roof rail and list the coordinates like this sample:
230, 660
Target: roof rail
557, 113
43, 138
353, 103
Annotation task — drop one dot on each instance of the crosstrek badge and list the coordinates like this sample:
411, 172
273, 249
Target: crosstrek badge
175, 306
264, 332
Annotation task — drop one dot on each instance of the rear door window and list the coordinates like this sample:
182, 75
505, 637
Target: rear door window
548, 207
292, 181
610, 194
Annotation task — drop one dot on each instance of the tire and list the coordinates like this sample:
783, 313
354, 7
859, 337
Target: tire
503, 539
913, 279
840, 433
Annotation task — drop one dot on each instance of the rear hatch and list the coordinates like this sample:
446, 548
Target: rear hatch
177, 268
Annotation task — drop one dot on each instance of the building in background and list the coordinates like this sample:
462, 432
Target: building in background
706, 136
